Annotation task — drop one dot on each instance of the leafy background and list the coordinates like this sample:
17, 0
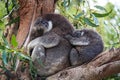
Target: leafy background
104, 19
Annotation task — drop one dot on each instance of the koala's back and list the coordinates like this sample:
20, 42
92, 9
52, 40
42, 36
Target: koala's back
95, 46
56, 58
85, 53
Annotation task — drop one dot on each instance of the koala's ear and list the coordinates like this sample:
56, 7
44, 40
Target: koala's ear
50, 26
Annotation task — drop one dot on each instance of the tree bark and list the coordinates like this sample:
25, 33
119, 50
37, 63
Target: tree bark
102, 66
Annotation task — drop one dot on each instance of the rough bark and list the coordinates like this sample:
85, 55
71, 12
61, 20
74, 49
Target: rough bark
29, 10
103, 65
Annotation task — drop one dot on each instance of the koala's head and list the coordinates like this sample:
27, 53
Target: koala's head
42, 25
80, 37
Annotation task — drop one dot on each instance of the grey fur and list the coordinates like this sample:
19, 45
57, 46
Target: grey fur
87, 45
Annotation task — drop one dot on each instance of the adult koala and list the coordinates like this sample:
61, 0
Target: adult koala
50, 48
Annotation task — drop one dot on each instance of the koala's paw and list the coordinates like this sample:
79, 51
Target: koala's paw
38, 54
74, 57
32, 44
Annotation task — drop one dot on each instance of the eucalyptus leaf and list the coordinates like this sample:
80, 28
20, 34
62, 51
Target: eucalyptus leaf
79, 15
66, 3
95, 19
14, 41
102, 15
14, 61
5, 42
2, 47
2, 9
89, 22
2, 24
4, 57
100, 7
24, 56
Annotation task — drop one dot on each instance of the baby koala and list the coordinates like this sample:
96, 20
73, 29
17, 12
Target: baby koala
87, 44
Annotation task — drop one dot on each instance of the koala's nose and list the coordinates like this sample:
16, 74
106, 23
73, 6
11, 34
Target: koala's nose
43, 22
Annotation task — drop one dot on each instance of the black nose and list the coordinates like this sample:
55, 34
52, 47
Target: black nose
43, 22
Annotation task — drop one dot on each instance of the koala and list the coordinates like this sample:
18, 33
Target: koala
49, 49
87, 44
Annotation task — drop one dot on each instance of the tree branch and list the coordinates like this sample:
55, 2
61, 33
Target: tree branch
105, 64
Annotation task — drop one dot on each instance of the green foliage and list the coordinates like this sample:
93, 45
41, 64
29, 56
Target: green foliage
102, 15
7, 7
100, 8
100, 18
10, 57
10, 54
3, 11
110, 6
14, 41
89, 22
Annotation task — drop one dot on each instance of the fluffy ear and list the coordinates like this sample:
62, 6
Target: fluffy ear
50, 26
